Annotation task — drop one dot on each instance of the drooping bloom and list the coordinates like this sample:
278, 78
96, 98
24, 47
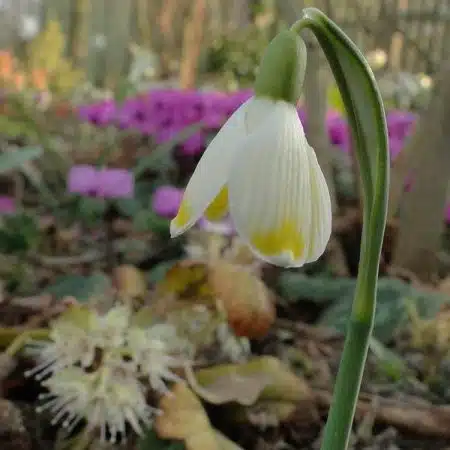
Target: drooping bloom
104, 183
261, 170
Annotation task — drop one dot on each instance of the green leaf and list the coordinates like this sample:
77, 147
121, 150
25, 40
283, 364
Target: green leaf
91, 209
151, 441
81, 287
391, 311
389, 362
158, 272
15, 159
19, 233
161, 158
296, 286
334, 99
147, 220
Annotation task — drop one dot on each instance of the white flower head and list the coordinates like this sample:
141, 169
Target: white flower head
261, 170
157, 350
107, 399
77, 335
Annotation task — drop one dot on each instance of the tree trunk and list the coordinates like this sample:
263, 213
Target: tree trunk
422, 212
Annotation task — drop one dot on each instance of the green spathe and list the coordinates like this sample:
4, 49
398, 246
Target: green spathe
282, 69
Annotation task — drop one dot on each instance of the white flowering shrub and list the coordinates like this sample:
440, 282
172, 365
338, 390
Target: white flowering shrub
102, 368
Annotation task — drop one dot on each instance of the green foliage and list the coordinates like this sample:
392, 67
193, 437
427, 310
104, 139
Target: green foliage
81, 287
19, 233
336, 294
236, 56
46, 53
296, 286
15, 159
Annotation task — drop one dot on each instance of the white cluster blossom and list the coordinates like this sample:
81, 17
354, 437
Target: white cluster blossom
100, 368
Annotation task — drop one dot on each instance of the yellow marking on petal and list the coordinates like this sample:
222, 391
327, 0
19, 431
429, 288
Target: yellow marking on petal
183, 216
218, 208
284, 238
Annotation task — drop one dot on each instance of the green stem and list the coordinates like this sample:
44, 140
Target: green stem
366, 116
348, 382
16, 339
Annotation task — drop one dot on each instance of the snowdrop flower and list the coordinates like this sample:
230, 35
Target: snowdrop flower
261, 170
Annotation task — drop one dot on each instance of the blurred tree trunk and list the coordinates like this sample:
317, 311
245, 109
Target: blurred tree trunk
192, 43
79, 33
422, 212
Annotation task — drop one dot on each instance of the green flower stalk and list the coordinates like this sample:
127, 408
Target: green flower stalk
366, 115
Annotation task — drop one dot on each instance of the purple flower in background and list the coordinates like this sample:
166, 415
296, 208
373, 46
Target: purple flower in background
214, 109
166, 201
194, 144
400, 123
130, 114
7, 205
100, 114
104, 183
82, 180
447, 215
166, 134
395, 146
302, 116
115, 183
338, 130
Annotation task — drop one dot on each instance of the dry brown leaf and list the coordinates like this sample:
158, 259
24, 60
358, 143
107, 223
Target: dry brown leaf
231, 386
247, 301
270, 414
129, 282
280, 384
444, 286
183, 418
187, 280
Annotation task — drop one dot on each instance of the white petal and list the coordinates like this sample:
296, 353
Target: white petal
212, 172
269, 187
320, 210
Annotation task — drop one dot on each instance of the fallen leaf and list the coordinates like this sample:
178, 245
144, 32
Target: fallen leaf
129, 282
275, 380
444, 286
247, 301
270, 414
183, 418
186, 280
230, 386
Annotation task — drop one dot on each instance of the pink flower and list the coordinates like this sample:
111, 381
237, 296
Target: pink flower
166, 201
115, 183
194, 144
447, 214
83, 180
104, 183
7, 205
